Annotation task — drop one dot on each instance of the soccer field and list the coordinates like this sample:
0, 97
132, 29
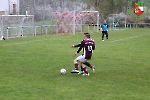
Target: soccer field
29, 68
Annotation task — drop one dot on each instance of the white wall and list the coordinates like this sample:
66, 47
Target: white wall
7, 6
3, 5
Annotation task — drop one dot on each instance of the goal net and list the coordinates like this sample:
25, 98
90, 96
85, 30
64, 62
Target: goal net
87, 21
12, 26
76, 21
116, 21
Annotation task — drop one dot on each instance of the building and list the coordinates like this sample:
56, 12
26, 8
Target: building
9, 7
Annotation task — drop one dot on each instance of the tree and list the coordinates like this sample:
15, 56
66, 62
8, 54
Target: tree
106, 7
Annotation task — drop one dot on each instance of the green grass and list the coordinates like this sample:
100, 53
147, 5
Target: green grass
29, 68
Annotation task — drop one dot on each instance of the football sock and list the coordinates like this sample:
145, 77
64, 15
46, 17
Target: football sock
76, 66
85, 70
91, 66
88, 64
81, 68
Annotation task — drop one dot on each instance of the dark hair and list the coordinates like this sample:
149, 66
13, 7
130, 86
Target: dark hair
87, 35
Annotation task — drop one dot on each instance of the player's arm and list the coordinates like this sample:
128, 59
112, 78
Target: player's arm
77, 45
101, 28
81, 46
93, 47
107, 26
79, 49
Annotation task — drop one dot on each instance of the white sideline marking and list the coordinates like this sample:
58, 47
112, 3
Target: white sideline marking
20, 43
46, 53
129, 38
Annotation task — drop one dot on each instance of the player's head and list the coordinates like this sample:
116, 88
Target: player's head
87, 35
104, 22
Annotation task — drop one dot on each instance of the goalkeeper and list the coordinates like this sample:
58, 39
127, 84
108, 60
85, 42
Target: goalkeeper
104, 29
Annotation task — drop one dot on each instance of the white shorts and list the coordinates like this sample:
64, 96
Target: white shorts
81, 58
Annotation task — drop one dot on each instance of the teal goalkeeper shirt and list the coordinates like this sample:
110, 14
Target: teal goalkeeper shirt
104, 27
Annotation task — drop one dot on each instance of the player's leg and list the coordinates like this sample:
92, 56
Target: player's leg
75, 67
89, 65
86, 73
76, 64
82, 59
106, 35
81, 71
81, 66
103, 35
79, 58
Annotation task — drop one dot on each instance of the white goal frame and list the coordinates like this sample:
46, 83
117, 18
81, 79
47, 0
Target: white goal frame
17, 24
75, 21
97, 20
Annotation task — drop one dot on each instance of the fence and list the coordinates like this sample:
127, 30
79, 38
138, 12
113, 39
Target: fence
138, 25
64, 16
54, 16
51, 17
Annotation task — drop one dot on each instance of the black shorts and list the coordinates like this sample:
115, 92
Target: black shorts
104, 32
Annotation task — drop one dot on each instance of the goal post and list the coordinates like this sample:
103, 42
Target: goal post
76, 21
85, 20
1, 35
13, 26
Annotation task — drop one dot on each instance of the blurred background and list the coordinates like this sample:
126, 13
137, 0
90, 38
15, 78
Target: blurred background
49, 15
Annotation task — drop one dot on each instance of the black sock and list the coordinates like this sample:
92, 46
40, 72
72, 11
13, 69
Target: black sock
81, 68
87, 64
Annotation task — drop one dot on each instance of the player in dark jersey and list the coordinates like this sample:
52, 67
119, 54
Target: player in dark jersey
104, 29
88, 46
86, 63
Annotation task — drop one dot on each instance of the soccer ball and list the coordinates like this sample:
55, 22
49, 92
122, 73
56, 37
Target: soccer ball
63, 71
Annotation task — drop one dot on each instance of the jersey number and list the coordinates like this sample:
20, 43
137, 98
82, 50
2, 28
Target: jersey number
90, 48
